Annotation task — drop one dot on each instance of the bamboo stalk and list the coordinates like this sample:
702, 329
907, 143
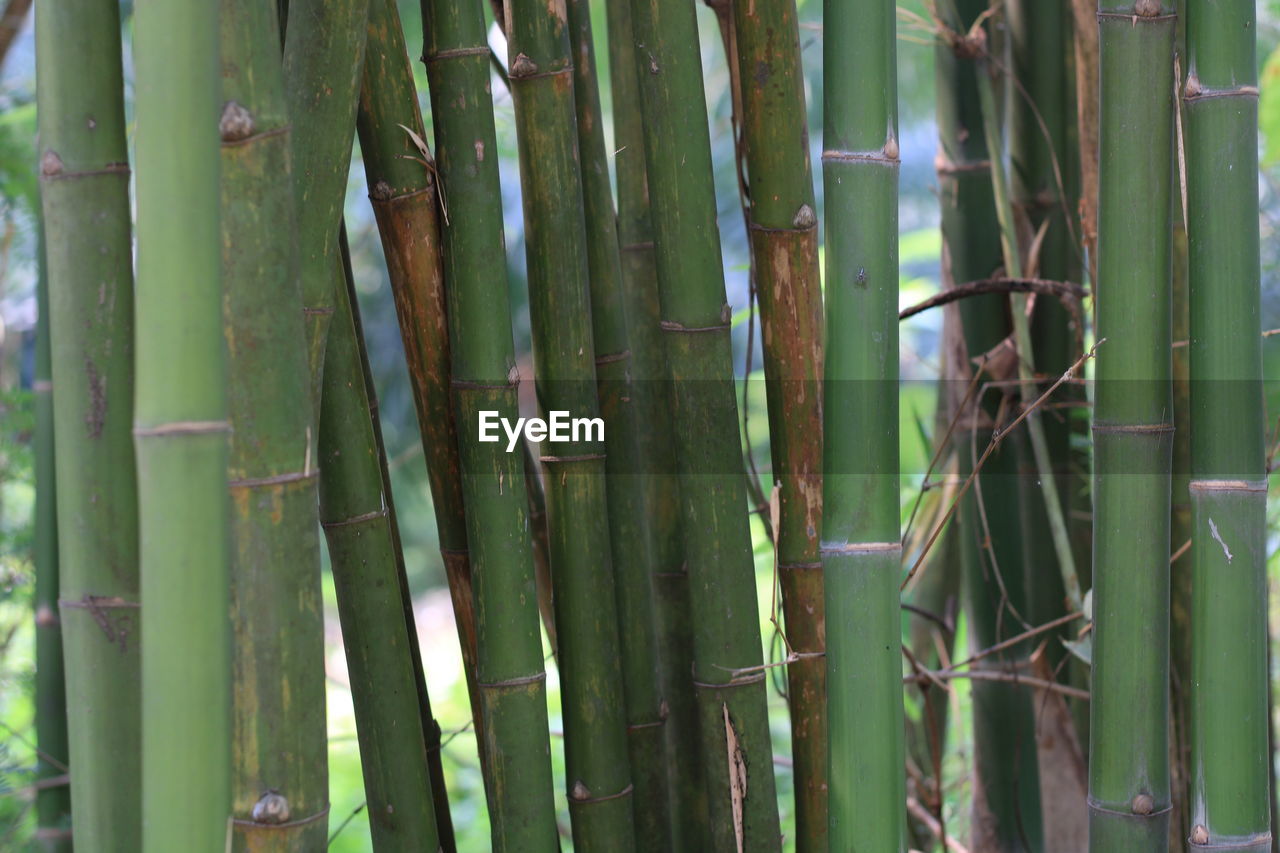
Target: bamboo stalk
432, 733
278, 716
783, 227
1006, 804
598, 773
541, 543
628, 524
362, 551
1230, 806
181, 431
403, 193
84, 179
509, 667
736, 749
1132, 433
53, 802
661, 487
861, 539
324, 46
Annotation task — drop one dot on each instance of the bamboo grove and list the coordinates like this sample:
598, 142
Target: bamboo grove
741, 662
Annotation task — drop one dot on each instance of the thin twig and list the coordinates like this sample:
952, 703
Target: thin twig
1065, 291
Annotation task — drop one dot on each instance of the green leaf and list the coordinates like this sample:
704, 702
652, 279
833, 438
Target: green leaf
1269, 108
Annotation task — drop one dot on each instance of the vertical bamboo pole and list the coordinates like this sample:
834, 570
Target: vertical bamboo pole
403, 194
84, 177
736, 750
1132, 433
597, 765
323, 55
181, 431
861, 546
53, 801
362, 550
1230, 806
509, 667
279, 792
628, 524
661, 486
783, 229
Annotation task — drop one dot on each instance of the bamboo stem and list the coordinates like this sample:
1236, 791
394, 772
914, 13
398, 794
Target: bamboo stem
628, 525
660, 486
598, 773
783, 228
181, 429
1129, 793
354, 511
404, 197
1230, 805
861, 535
84, 177
53, 802
735, 743
278, 711
509, 668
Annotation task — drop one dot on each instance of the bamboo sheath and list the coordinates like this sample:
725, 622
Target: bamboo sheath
1129, 789
660, 486
736, 748
84, 178
861, 550
1230, 803
509, 669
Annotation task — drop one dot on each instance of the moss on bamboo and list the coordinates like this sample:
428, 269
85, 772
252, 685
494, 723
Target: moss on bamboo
278, 718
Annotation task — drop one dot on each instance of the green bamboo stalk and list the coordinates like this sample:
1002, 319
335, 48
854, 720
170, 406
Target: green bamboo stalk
783, 228
628, 533
362, 551
1230, 806
861, 539
1129, 792
432, 734
509, 665
736, 750
661, 487
324, 46
181, 431
402, 191
53, 801
598, 772
1006, 807
279, 789
84, 177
